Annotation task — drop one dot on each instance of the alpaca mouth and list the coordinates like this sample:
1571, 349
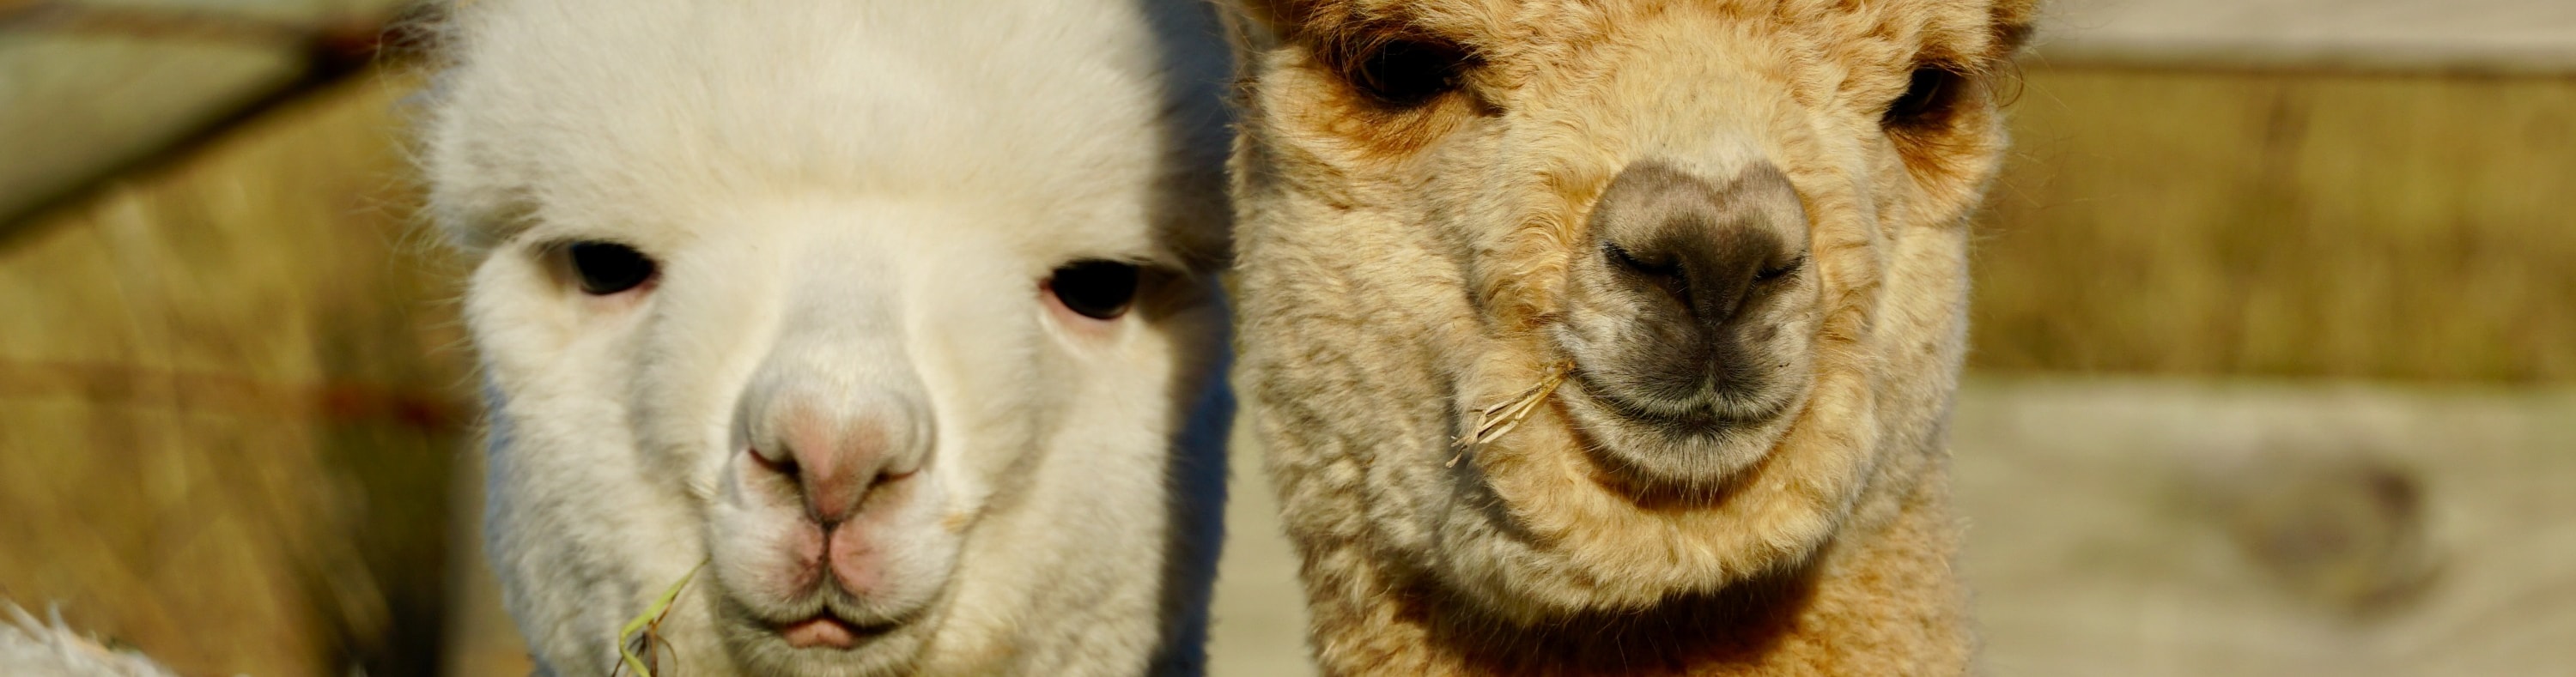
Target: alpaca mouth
1710, 417
1660, 442
827, 631
827, 626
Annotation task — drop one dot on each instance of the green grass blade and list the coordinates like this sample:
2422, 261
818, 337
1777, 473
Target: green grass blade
625, 636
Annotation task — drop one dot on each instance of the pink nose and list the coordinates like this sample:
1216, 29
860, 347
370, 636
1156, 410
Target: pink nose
836, 455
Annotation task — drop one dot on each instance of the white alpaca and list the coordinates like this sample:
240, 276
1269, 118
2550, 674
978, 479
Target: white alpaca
48, 648
892, 313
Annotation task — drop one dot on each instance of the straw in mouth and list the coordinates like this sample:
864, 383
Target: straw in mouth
636, 641
1492, 421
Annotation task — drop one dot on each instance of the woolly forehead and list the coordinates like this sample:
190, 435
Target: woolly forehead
645, 115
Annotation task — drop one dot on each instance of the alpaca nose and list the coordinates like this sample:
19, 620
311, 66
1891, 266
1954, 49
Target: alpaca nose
1697, 251
838, 449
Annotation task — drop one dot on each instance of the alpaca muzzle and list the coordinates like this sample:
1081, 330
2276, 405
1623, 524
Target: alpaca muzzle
1681, 321
828, 532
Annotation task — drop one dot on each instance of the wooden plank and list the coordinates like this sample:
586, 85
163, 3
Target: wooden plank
2455, 36
101, 90
2344, 226
2137, 528
108, 102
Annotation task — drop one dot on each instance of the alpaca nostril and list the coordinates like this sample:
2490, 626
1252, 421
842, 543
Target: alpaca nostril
1662, 270
1621, 257
1660, 274
783, 465
1782, 270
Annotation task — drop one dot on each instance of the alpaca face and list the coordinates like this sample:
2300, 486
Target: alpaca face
838, 382
1729, 234
840, 390
890, 314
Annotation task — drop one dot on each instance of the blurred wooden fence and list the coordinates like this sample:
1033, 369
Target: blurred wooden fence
2214, 221
231, 404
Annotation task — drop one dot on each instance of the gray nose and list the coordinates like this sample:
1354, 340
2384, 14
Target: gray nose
1695, 250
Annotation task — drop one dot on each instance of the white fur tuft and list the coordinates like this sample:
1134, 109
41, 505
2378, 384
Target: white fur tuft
49, 648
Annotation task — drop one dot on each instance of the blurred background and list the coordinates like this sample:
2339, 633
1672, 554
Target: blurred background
2274, 364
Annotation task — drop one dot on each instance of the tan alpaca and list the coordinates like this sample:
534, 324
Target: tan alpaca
1730, 235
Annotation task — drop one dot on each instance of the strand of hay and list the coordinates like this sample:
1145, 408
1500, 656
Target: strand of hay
636, 641
1493, 420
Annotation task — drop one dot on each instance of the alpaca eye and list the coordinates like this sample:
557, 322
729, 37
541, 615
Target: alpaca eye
1930, 94
1406, 72
1100, 290
608, 268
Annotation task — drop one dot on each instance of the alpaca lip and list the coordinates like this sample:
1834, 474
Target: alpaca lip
1697, 421
1694, 422
822, 631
